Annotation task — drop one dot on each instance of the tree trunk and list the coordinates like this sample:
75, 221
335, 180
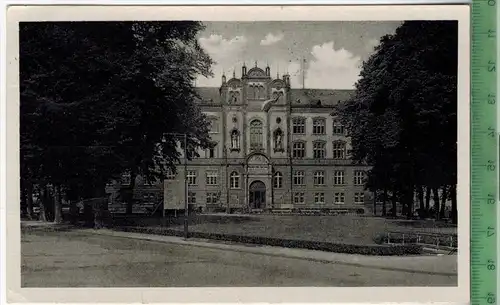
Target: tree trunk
443, 203
24, 204
384, 201
453, 197
421, 198
57, 205
394, 205
130, 194
410, 195
427, 199
29, 199
45, 203
435, 192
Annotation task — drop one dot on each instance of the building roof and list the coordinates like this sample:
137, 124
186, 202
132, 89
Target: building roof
209, 94
299, 97
319, 97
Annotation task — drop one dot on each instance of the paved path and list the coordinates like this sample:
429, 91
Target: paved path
85, 259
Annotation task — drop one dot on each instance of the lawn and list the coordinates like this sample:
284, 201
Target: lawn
335, 229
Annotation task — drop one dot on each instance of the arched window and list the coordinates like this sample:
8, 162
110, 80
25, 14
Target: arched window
278, 180
256, 138
234, 180
319, 150
299, 150
338, 150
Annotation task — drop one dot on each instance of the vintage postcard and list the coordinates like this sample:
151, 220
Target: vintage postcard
238, 154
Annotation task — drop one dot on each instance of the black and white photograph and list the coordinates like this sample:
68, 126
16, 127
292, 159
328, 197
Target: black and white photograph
198, 153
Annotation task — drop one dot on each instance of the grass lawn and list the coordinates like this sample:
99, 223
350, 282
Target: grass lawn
337, 229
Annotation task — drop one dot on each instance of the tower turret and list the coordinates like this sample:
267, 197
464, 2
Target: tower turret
244, 70
268, 71
223, 78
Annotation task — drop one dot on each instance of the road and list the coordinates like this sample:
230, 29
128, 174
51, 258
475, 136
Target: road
76, 259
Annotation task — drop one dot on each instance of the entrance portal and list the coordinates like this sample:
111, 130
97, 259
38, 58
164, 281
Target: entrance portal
257, 196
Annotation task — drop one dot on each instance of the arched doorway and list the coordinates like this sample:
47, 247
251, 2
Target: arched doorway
257, 195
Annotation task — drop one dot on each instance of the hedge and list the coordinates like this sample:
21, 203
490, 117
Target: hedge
380, 250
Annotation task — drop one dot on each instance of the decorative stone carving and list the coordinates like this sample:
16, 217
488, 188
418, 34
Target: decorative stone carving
278, 140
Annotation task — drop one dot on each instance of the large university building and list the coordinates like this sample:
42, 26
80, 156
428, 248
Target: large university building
274, 148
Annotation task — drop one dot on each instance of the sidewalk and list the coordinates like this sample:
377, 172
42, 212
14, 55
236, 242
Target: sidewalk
437, 265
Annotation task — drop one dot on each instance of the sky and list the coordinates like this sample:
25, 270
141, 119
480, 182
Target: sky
333, 50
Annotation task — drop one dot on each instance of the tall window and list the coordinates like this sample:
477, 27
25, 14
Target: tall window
359, 177
319, 126
338, 128
339, 198
298, 178
278, 180
191, 197
212, 177
319, 150
234, 180
319, 178
256, 140
299, 150
214, 125
319, 198
212, 198
191, 177
298, 198
338, 177
359, 198
338, 150
299, 125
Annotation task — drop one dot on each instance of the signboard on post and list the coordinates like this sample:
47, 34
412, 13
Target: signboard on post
174, 194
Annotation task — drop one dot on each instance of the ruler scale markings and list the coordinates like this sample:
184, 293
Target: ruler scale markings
484, 154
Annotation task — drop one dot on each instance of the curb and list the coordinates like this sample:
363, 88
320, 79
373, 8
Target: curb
262, 250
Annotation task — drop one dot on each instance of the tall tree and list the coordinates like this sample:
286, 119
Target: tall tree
402, 117
102, 98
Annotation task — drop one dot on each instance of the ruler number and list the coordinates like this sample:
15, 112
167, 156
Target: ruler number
491, 199
491, 166
490, 298
490, 232
491, 265
491, 33
492, 2
492, 99
491, 132
491, 66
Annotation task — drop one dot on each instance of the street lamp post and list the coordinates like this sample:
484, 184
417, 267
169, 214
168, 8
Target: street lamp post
186, 185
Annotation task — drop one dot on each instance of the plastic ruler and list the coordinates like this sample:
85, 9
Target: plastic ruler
484, 154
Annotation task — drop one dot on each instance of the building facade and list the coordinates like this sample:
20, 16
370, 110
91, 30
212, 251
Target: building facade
274, 148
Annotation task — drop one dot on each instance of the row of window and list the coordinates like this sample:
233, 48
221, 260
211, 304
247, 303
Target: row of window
298, 198
298, 126
299, 178
299, 148
319, 198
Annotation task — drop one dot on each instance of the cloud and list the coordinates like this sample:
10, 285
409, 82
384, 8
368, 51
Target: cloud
225, 52
330, 68
271, 39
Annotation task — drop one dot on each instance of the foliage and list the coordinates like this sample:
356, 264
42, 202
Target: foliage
402, 117
102, 98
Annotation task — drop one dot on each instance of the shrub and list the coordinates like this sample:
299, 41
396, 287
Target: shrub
375, 249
